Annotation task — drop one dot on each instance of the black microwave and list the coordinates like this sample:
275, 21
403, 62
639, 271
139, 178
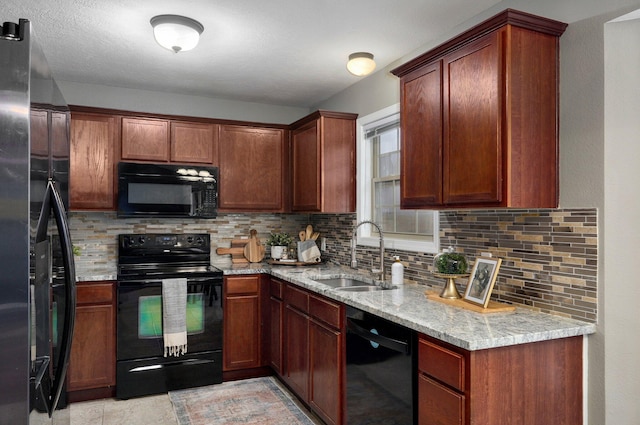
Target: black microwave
167, 190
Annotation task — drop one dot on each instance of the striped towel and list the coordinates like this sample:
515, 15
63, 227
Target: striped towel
174, 316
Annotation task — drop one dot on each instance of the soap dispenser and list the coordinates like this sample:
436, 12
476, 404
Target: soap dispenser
397, 272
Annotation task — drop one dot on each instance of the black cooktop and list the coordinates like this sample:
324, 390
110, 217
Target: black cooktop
165, 255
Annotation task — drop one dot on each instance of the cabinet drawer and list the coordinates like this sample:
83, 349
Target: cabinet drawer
275, 288
297, 298
442, 364
438, 404
94, 293
325, 311
242, 285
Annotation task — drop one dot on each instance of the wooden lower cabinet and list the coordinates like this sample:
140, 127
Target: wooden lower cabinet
276, 314
92, 365
325, 380
241, 323
313, 352
538, 383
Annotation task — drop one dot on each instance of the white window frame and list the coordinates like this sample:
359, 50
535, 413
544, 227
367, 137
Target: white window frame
364, 193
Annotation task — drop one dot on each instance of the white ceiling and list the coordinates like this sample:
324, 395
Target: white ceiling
281, 52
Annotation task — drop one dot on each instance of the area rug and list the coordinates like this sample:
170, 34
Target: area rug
251, 401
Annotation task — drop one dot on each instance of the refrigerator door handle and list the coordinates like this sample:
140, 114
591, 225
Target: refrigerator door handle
60, 216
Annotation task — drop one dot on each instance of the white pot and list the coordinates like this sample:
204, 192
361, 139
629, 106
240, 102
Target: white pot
277, 251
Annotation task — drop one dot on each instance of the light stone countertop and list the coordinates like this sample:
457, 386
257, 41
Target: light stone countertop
409, 306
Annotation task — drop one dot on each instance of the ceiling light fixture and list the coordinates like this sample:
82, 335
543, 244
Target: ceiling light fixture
361, 64
176, 33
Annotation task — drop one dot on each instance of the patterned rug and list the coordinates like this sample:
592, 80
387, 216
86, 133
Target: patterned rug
251, 401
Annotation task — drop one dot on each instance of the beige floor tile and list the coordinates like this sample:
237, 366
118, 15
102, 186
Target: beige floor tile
150, 410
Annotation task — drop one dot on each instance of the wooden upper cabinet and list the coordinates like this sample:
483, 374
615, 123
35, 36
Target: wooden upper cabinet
422, 114
94, 138
145, 139
471, 155
323, 150
479, 117
253, 164
39, 133
193, 142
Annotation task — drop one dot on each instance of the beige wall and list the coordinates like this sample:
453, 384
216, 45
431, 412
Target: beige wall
176, 104
622, 211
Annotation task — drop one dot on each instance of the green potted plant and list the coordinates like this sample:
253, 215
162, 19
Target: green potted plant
279, 243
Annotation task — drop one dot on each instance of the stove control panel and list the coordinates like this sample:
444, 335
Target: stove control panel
151, 241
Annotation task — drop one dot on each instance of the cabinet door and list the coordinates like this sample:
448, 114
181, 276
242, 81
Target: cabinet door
297, 351
93, 351
252, 168
241, 347
421, 142
472, 153
276, 309
92, 178
305, 181
192, 142
145, 139
325, 387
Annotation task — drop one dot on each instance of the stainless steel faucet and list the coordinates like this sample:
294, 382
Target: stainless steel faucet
354, 243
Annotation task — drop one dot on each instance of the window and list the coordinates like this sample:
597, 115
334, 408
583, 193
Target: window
379, 188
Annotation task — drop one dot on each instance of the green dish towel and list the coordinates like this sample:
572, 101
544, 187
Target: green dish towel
174, 316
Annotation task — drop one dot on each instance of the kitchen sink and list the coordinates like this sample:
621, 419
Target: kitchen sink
349, 284
367, 288
342, 282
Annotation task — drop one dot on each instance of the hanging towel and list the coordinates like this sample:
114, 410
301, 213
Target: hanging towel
174, 316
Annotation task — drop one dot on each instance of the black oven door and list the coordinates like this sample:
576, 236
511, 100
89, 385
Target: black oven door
139, 317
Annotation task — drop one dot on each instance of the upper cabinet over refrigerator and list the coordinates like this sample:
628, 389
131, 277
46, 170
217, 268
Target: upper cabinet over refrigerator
37, 287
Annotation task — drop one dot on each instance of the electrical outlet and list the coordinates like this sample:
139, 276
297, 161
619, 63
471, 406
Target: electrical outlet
323, 244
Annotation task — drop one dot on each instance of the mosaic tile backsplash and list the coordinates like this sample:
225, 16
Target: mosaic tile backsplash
96, 234
549, 257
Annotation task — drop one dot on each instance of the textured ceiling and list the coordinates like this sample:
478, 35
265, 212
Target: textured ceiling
281, 52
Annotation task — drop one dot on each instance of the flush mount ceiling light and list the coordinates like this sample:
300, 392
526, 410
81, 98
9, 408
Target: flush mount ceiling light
176, 33
361, 64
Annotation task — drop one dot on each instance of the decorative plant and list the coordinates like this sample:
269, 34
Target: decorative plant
279, 239
451, 263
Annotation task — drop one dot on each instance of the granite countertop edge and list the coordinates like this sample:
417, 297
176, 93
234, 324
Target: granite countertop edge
408, 306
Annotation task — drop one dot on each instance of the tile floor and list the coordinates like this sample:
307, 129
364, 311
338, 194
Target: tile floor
150, 410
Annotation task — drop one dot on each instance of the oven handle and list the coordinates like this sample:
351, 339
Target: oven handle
158, 282
169, 364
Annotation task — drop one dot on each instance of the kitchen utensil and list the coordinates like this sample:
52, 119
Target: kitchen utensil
315, 236
302, 235
236, 251
253, 250
309, 232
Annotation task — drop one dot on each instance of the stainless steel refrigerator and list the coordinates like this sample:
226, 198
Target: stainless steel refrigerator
37, 276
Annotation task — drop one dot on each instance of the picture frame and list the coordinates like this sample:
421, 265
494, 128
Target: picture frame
481, 280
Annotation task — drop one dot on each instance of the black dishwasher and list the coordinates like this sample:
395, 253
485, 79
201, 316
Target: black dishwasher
381, 378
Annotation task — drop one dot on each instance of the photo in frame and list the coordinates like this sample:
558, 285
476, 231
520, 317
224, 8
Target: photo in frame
481, 281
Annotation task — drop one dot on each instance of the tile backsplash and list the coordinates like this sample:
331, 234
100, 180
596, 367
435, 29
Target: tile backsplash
549, 257
96, 234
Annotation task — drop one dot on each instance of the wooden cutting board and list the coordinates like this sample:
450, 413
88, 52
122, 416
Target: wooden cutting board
253, 250
236, 251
